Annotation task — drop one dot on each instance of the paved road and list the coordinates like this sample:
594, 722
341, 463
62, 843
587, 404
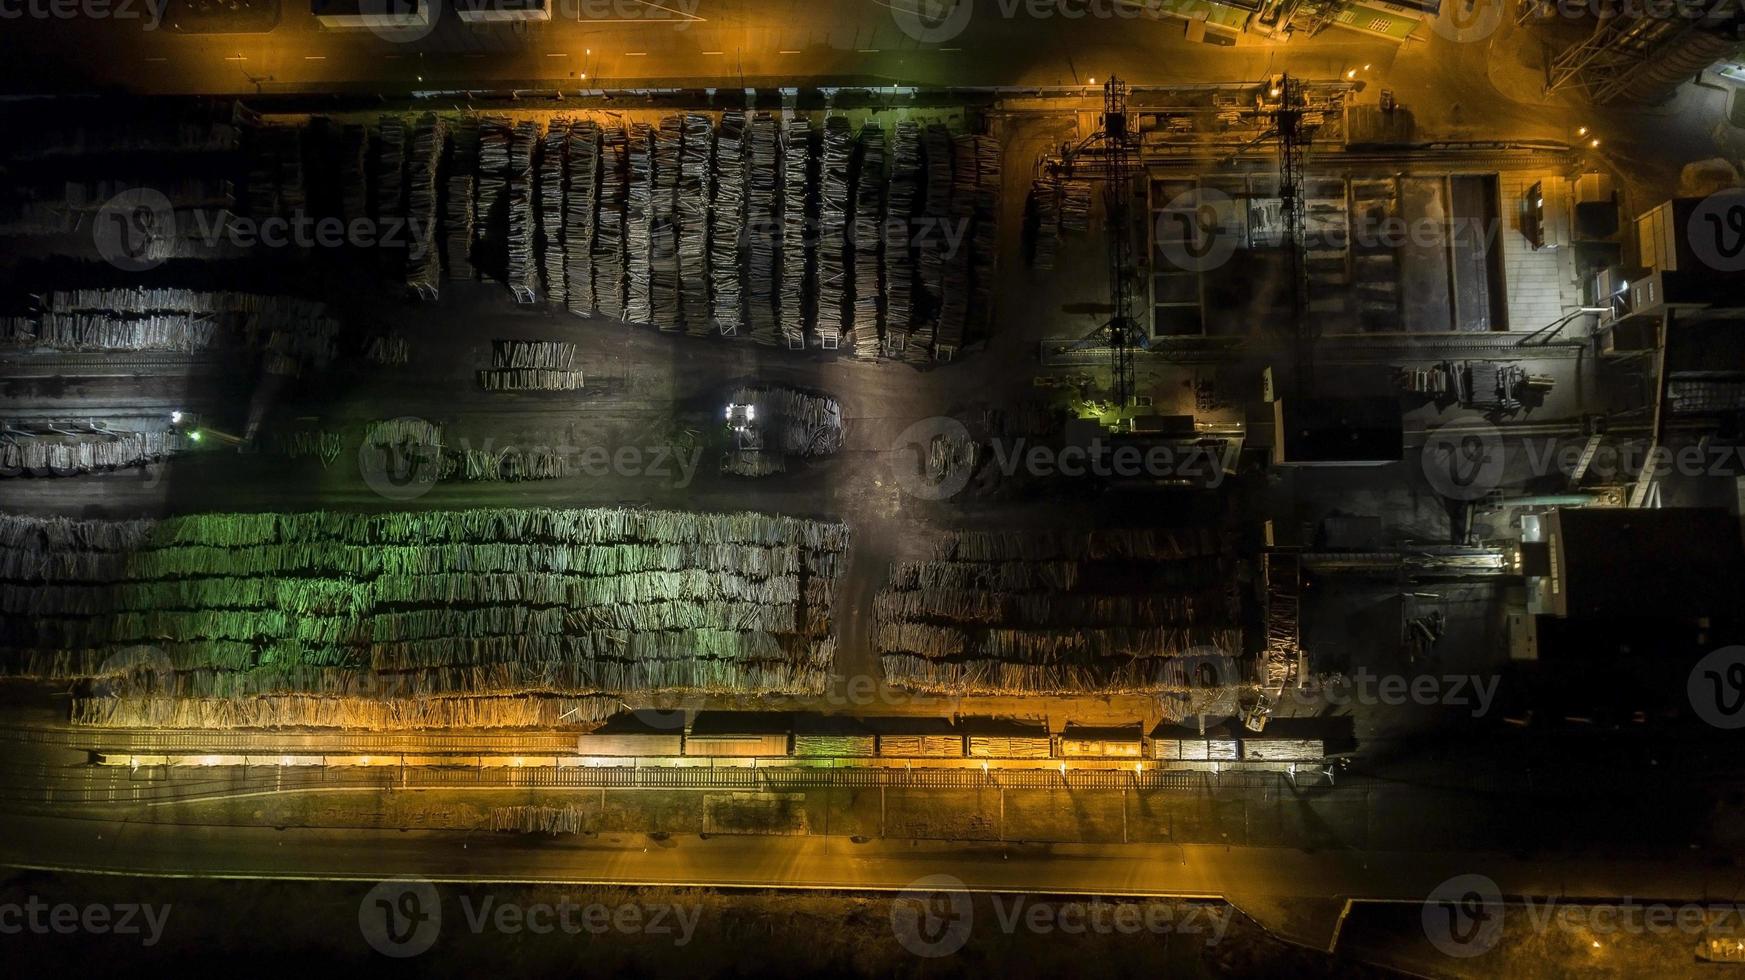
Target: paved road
627, 43
1299, 895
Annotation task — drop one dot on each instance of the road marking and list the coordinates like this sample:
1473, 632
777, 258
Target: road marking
234, 57
787, 52
314, 57
636, 54
867, 51
556, 54
713, 52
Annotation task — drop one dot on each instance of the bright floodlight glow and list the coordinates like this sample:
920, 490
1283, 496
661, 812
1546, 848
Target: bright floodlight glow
195, 435
176, 417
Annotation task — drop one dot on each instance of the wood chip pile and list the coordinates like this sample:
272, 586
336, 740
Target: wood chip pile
1101, 612
493, 617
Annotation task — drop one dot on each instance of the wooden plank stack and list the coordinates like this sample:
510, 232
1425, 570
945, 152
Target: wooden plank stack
581, 198
458, 208
491, 203
835, 205
423, 259
868, 244
463, 618
798, 181
900, 260
763, 222
663, 260
550, 239
727, 266
610, 230
523, 272
696, 161
639, 226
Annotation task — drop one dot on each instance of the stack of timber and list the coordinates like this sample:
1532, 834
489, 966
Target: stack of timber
458, 209
481, 618
639, 226
581, 196
726, 265
523, 273
900, 267
62, 454
868, 244
696, 160
423, 261
610, 231
663, 259
531, 365
835, 203
551, 240
797, 246
763, 221
1096, 612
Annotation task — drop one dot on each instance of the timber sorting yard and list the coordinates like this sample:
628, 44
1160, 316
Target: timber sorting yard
954, 473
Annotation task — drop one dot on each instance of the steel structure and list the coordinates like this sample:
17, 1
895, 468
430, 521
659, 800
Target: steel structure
1116, 146
1626, 50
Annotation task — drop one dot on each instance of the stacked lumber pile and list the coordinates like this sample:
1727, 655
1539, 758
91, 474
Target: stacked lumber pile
795, 423
956, 254
726, 254
763, 222
389, 201
534, 819
639, 226
423, 261
1043, 209
797, 247
867, 302
1098, 612
984, 241
550, 239
504, 465
491, 199
691, 207
581, 198
523, 273
531, 365
663, 259
610, 232
458, 208
186, 321
900, 259
59, 454
835, 203
932, 244
480, 618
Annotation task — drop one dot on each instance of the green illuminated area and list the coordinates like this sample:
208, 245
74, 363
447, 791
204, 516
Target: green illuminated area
434, 619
